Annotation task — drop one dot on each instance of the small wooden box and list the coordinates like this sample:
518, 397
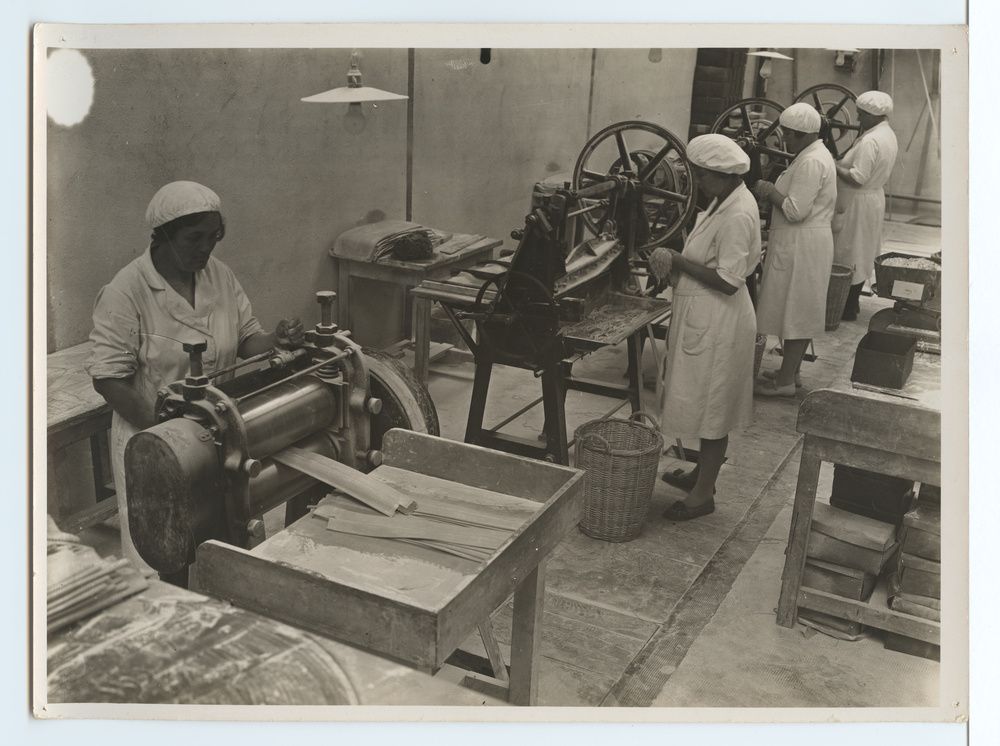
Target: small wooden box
843, 581
907, 604
850, 540
919, 576
921, 534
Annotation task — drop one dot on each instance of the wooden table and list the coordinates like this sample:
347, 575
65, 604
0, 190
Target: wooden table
172, 646
409, 602
76, 412
880, 432
408, 275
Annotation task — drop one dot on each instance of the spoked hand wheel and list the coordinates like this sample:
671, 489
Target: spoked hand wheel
753, 124
652, 159
837, 105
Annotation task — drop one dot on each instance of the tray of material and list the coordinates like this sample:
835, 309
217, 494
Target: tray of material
409, 602
614, 320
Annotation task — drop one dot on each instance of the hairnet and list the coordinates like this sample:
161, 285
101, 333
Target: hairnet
718, 153
180, 198
875, 102
800, 117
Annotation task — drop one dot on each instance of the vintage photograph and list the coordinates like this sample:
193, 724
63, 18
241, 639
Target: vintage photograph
380, 373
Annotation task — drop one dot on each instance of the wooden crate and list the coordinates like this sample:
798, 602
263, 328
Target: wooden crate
843, 581
407, 602
919, 576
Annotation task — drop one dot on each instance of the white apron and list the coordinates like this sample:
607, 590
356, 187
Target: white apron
708, 383
792, 302
857, 226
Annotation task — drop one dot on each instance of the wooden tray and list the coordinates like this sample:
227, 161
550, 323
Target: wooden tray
406, 602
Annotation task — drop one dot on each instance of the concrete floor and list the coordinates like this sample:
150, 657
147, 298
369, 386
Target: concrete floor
683, 615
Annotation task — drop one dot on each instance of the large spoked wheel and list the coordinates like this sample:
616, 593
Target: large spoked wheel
753, 124
837, 105
652, 159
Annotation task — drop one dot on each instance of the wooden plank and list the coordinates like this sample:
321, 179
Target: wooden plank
372, 493
493, 650
526, 638
486, 684
874, 613
798, 534
881, 462
421, 337
101, 511
315, 603
475, 466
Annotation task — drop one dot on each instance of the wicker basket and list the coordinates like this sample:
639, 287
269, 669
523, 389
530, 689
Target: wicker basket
620, 458
836, 295
758, 353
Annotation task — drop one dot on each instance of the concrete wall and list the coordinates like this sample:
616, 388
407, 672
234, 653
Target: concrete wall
291, 178
918, 169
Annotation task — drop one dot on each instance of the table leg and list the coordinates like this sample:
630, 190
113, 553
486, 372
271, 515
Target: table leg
526, 637
798, 534
343, 295
421, 337
635, 370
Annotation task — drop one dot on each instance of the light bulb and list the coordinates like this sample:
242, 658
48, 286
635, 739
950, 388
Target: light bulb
655, 55
354, 119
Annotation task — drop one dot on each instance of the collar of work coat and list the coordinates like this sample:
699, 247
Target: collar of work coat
709, 214
205, 293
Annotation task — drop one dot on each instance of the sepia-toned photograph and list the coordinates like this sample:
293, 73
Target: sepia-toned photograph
375, 372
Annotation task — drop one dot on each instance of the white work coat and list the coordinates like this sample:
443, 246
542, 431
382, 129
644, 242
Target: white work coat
708, 376
857, 225
140, 327
792, 302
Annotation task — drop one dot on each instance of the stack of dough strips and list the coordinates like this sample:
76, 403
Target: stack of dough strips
81, 583
379, 510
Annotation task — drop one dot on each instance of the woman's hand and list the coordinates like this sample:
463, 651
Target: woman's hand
661, 263
762, 190
289, 333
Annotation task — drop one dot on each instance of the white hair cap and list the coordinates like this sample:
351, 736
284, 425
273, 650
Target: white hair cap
800, 117
875, 102
718, 153
180, 198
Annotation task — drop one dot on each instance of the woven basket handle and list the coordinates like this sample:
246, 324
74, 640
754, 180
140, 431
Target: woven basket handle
644, 415
600, 441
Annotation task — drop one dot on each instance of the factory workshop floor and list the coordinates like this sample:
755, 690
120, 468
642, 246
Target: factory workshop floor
684, 614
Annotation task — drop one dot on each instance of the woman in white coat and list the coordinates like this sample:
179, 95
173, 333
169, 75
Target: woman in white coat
174, 292
792, 302
863, 172
709, 369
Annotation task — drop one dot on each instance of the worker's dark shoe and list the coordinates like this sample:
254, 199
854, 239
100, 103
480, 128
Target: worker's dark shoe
681, 512
681, 479
849, 315
770, 375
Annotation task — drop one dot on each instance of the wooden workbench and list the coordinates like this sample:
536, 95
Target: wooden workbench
172, 646
898, 435
408, 275
75, 412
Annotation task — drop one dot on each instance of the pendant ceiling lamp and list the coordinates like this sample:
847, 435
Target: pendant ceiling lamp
354, 94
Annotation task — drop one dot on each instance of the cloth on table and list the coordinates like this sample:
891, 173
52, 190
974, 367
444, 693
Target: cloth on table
377, 241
